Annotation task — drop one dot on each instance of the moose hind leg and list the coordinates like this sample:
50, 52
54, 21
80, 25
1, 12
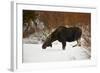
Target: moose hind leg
78, 43
63, 45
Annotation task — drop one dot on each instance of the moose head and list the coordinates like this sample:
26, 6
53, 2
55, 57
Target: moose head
47, 43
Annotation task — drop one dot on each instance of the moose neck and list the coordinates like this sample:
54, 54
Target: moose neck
52, 40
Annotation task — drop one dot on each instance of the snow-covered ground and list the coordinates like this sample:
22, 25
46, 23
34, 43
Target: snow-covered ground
35, 53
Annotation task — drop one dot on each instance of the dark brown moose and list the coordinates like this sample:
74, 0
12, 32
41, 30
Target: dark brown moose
63, 35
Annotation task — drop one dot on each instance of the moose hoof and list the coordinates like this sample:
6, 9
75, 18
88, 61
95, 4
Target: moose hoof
79, 45
63, 48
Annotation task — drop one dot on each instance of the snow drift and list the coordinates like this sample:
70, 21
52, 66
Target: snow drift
35, 53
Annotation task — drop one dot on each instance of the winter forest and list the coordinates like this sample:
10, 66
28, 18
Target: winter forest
37, 25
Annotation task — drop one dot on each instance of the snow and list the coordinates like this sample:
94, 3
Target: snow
35, 53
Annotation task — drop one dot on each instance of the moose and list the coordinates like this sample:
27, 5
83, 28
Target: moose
63, 35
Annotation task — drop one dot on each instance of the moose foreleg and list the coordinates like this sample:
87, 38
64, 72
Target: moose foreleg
63, 45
